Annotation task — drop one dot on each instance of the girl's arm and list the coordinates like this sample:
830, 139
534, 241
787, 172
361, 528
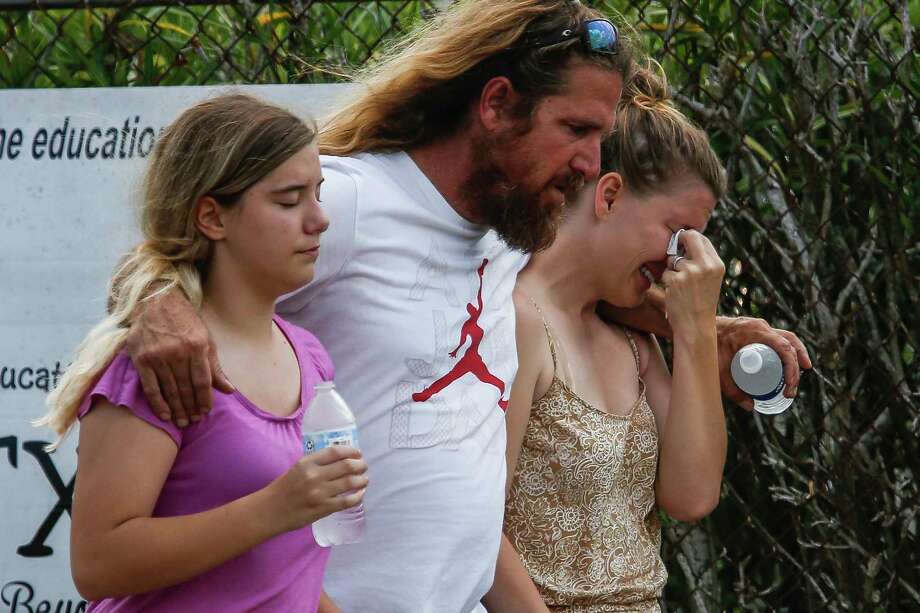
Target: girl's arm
118, 549
512, 589
688, 406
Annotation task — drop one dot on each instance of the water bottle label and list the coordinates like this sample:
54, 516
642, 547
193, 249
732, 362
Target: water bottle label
315, 441
777, 390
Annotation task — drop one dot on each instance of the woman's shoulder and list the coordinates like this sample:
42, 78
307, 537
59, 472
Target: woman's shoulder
527, 314
529, 323
535, 355
624, 340
646, 344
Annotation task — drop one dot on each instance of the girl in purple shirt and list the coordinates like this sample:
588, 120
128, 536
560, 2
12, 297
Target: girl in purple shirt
214, 515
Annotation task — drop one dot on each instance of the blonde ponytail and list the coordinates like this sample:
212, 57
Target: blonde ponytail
141, 270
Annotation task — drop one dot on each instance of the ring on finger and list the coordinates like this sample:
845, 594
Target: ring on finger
676, 261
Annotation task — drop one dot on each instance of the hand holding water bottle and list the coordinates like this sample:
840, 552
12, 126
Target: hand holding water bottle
737, 332
686, 295
329, 423
318, 485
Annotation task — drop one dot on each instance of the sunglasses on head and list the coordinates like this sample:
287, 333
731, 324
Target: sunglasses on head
597, 36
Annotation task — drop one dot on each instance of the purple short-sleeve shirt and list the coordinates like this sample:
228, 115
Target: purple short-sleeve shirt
234, 451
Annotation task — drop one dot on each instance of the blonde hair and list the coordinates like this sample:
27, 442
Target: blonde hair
654, 142
218, 148
422, 88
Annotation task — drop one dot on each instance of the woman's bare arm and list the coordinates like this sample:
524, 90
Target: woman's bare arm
512, 589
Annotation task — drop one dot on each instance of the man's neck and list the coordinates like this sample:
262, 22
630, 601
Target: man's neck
448, 163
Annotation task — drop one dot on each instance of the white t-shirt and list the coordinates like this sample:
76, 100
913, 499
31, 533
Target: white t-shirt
402, 281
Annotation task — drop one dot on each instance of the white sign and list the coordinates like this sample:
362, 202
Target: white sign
71, 161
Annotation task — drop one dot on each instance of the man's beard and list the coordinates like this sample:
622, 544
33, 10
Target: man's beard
514, 212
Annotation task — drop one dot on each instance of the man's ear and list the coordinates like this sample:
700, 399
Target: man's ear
209, 219
608, 194
496, 102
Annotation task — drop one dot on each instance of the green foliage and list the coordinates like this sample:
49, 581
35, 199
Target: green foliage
276, 42
813, 106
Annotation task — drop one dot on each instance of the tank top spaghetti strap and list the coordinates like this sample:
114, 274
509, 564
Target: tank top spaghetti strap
553, 352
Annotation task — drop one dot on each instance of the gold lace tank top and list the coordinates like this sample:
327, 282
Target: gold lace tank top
582, 512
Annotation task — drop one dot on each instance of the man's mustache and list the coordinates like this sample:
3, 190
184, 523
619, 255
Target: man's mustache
573, 186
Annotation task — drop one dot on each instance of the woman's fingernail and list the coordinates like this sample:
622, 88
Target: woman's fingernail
182, 422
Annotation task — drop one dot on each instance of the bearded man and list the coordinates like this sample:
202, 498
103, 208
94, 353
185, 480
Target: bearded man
452, 164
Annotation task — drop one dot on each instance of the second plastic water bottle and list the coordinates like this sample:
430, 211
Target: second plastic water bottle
329, 422
758, 371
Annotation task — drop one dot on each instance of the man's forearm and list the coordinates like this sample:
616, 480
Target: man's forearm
121, 272
647, 317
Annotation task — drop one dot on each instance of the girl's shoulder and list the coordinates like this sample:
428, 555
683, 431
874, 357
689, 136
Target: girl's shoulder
120, 385
309, 349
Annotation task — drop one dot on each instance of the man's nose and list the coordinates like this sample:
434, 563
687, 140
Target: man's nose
587, 161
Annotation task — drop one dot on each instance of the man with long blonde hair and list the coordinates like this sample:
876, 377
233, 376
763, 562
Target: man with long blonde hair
466, 140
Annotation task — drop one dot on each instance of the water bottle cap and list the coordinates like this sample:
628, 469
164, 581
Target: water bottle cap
750, 361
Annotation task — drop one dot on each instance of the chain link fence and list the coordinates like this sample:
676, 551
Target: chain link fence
195, 43
813, 106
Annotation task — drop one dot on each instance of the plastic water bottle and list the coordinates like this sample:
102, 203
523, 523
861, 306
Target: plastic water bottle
329, 422
758, 371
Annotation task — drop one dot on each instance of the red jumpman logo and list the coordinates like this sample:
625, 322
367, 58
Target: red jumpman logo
471, 362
